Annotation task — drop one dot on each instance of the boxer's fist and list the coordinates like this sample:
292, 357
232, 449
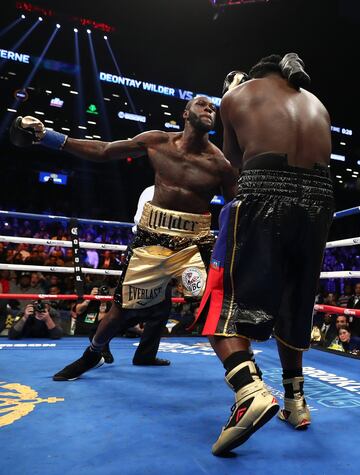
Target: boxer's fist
25, 131
293, 69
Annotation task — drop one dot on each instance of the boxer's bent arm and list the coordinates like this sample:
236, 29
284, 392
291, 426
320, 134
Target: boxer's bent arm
99, 151
229, 184
231, 148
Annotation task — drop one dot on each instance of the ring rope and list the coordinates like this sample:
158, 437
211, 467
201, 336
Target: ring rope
89, 270
69, 297
347, 274
55, 242
343, 242
347, 212
118, 247
317, 307
16, 214
340, 310
42, 217
60, 270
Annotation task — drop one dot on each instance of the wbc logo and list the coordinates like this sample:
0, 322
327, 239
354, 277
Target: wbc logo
193, 280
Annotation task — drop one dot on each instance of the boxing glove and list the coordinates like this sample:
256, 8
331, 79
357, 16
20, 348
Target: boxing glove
28, 130
292, 68
234, 79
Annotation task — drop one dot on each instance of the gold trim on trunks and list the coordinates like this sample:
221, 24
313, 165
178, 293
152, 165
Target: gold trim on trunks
174, 223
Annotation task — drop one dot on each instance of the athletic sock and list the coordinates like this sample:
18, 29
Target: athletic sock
95, 347
241, 376
295, 386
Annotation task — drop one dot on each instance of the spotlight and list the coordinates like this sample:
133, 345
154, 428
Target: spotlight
88, 31
40, 18
76, 30
57, 25
105, 38
23, 16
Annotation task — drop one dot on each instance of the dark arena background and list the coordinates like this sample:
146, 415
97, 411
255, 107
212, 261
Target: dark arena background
109, 70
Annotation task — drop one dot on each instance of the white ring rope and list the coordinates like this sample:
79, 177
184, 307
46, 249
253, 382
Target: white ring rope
55, 242
343, 242
89, 270
347, 274
118, 247
64, 270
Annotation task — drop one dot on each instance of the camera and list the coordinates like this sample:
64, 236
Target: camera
39, 306
104, 290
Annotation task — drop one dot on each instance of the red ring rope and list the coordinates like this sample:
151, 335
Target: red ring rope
68, 297
317, 307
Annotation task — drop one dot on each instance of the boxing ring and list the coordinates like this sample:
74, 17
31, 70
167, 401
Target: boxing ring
125, 419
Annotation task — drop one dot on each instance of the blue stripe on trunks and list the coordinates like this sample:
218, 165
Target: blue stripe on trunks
219, 251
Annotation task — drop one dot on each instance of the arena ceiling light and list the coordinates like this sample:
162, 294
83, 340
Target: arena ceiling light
23, 17
58, 25
105, 37
88, 31
40, 18
76, 30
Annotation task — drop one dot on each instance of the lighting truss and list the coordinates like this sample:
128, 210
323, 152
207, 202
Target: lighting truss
230, 3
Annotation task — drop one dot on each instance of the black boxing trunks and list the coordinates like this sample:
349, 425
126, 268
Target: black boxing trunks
168, 244
266, 261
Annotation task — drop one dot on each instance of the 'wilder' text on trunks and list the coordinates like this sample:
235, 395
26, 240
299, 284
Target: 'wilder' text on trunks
165, 220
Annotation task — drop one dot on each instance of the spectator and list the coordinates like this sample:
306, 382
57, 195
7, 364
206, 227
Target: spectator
106, 260
2, 252
330, 299
68, 258
35, 259
349, 343
354, 302
326, 329
35, 322
345, 297
341, 321
54, 259
22, 287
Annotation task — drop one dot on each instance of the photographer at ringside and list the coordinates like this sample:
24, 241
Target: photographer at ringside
36, 321
88, 314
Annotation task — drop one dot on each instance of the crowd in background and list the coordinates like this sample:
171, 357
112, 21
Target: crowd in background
331, 331
335, 331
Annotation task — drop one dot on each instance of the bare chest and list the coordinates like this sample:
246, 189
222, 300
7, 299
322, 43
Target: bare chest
199, 169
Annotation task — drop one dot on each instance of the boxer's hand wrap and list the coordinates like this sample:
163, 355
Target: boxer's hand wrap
292, 68
28, 130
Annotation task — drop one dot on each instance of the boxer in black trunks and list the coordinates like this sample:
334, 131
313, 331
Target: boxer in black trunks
266, 261
173, 237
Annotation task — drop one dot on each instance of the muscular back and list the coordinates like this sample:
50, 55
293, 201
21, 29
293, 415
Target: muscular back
268, 115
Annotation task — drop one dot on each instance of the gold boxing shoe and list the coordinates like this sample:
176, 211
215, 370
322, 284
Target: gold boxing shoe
254, 406
296, 411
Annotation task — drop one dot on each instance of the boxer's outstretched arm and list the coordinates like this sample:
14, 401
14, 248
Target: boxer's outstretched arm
99, 151
26, 131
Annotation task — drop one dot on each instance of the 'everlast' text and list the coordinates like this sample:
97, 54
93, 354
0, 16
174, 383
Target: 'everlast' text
137, 293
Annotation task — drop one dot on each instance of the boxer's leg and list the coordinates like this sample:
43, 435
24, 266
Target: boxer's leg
92, 357
296, 411
254, 405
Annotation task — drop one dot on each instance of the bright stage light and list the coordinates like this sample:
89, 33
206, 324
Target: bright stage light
23, 16
88, 31
40, 18
57, 25
105, 38
76, 30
